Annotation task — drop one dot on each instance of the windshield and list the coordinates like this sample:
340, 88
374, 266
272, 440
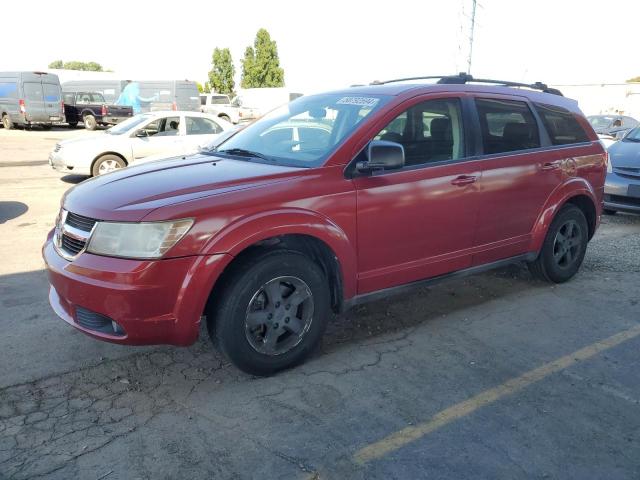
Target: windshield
305, 131
127, 125
633, 135
600, 121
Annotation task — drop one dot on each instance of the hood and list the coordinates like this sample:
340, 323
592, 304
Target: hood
625, 153
132, 193
83, 140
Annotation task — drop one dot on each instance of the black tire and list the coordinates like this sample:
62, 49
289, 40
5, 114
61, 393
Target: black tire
90, 122
609, 212
7, 123
106, 164
225, 117
228, 318
564, 246
73, 124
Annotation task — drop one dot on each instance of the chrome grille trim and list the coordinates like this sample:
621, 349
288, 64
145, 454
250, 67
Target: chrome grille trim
69, 240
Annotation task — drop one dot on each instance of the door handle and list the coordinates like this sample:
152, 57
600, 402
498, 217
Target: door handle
551, 165
463, 180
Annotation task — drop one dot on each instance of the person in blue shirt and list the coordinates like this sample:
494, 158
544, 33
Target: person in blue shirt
130, 96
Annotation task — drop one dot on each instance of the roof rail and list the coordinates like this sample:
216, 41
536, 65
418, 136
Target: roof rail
462, 78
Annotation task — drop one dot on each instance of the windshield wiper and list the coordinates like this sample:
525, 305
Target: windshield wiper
244, 153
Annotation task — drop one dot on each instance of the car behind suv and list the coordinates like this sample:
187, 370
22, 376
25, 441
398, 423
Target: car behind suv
376, 189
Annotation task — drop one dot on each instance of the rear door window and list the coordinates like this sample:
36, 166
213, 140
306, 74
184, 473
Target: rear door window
506, 126
51, 92
202, 126
33, 91
97, 98
561, 125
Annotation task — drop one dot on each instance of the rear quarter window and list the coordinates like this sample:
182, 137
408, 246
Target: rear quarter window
561, 125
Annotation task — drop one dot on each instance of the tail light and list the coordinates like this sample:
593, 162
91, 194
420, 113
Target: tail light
104, 110
62, 106
174, 106
23, 109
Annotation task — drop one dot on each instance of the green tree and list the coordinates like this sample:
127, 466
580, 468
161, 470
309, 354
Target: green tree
75, 65
206, 88
634, 79
261, 64
222, 71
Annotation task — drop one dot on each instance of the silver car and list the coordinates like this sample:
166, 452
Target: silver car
622, 187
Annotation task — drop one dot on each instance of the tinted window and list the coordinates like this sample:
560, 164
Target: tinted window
506, 126
8, 90
97, 98
219, 99
33, 91
69, 98
202, 126
203, 99
429, 132
51, 92
562, 126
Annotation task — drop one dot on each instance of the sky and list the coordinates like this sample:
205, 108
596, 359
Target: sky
331, 44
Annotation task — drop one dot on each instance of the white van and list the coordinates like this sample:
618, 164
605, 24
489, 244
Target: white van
30, 98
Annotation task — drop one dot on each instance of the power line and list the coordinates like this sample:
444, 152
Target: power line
471, 32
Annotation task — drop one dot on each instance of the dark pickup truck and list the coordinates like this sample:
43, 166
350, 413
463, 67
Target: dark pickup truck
91, 109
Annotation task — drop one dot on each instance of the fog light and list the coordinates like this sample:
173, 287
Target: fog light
117, 328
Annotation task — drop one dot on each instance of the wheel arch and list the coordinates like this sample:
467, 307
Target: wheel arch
308, 233
577, 192
100, 155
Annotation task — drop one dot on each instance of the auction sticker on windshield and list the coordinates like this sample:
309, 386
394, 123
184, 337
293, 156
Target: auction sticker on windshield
360, 101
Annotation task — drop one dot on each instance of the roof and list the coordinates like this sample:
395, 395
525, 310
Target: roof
409, 88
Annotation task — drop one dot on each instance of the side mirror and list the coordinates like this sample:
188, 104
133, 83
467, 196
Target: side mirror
142, 133
382, 155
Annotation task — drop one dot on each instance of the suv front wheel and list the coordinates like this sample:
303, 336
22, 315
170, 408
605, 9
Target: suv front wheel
271, 312
564, 246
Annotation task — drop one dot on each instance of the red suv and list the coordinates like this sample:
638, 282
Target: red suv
327, 202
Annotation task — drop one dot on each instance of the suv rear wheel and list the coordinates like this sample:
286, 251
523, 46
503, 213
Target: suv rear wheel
272, 312
564, 246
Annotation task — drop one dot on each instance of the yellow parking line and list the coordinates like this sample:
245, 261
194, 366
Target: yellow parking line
407, 435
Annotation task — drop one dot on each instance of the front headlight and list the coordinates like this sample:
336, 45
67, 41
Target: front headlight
609, 166
137, 240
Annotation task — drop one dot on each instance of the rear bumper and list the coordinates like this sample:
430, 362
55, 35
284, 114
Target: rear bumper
154, 302
113, 120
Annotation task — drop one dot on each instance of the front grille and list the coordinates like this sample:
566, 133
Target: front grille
72, 245
97, 322
623, 200
81, 223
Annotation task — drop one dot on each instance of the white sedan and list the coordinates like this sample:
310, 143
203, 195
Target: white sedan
145, 135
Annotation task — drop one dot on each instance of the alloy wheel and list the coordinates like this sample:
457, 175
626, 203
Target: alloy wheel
279, 315
567, 244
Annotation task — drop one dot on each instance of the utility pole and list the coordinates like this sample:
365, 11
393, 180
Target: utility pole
471, 30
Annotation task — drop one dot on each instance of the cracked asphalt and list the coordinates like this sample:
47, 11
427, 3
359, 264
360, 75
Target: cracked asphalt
72, 407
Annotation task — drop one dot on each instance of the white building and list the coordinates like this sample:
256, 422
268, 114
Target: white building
605, 98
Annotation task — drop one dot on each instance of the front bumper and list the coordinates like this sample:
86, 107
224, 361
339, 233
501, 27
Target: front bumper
61, 164
622, 194
154, 302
